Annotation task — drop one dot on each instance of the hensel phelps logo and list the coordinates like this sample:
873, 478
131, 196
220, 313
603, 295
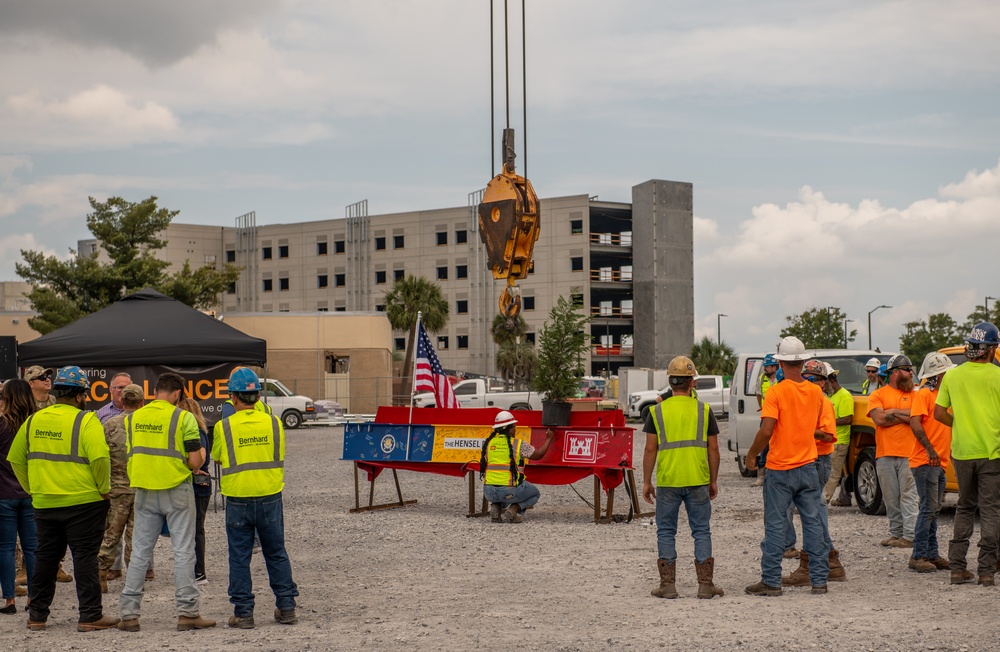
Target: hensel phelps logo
462, 443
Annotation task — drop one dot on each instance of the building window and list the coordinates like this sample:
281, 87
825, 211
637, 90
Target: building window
322, 310
461, 271
530, 338
397, 242
282, 251
338, 246
576, 263
340, 280
282, 283
462, 306
463, 341
321, 248
380, 307
442, 238
576, 299
230, 255
268, 285
266, 253
322, 281
528, 303
576, 227
461, 236
442, 343
398, 274
232, 288
380, 278
380, 243
531, 267
340, 309
400, 343
442, 273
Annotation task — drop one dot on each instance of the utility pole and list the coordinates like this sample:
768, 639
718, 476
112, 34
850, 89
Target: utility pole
718, 326
846, 320
870, 324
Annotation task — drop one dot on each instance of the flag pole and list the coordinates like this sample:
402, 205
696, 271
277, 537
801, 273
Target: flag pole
413, 385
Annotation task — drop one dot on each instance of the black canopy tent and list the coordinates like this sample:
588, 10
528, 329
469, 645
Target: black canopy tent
146, 334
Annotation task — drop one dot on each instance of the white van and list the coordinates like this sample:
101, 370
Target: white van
744, 415
288, 406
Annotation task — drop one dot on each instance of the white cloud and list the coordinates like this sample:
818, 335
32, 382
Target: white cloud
975, 184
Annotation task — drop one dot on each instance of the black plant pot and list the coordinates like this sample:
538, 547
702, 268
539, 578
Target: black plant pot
556, 413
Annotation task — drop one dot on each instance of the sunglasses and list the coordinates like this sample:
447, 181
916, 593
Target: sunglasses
45, 377
813, 379
908, 370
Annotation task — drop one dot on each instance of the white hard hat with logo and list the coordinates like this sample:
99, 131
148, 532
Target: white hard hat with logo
791, 349
935, 364
504, 418
873, 362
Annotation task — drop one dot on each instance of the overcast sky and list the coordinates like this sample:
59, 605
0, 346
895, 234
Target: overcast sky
843, 152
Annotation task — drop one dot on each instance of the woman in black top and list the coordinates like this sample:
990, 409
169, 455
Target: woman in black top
17, 517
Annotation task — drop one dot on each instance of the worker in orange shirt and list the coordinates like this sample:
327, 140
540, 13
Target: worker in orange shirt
889, 407
791, 420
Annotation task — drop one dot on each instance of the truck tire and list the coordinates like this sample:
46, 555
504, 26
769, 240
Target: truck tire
644, 411
866, 488
744, 471
520, 406
291, 419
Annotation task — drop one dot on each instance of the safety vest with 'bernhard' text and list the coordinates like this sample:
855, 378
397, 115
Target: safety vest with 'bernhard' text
250, 448
155, 445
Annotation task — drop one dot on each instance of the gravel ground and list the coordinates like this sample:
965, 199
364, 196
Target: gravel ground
427, 577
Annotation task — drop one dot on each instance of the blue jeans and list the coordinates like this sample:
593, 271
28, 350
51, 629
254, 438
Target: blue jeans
17, 519
824, 464
265, 516
930, 482
154, 508
525, 494
800, 487
699, 512
900, 497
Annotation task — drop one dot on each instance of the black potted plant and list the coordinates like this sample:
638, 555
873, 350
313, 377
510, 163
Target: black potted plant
563, 344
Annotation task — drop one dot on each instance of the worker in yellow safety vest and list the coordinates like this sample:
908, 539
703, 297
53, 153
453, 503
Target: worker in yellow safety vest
163, 446
60, 458
682, 446
229, 409
501, 467
250, 447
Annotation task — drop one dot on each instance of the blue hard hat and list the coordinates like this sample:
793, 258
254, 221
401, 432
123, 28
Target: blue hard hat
882, 371
984, 333
780, 376
243, 380
769, 360
71, 377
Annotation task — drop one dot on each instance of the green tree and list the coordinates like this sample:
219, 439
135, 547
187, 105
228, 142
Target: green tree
980, 315
714, 359
407, 297
515, 358
819, 328
562, 343
922, 337
63, 291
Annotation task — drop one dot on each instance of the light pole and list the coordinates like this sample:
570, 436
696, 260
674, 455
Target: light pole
986, 305
718, 326
846, 320
870, 324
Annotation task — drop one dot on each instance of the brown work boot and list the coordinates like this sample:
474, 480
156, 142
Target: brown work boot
106, 622
799, 576
103, 575
22, 578
706, 587
902, 543
186, 623
791, 553
763, 590
940, 563
129, 625
986, 580
962, 577
514, 513
495, 513
241, 622
285, 616
36, 625
922, 565
150, 575
837, 572
63, 576
668, 571
114, 574
20, 591
888, 543
842, 500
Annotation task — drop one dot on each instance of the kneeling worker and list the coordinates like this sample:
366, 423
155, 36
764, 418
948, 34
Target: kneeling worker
501, 468
250, 447
682, 444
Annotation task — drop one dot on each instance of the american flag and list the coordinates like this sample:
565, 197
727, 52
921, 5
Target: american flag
430, 377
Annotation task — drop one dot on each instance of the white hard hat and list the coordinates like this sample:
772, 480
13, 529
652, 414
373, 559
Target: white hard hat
934, 364
830, 371
504, 418
873, 362
791, 349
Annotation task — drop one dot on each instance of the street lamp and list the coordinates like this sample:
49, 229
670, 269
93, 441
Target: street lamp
718, 325
870, 324
846, 320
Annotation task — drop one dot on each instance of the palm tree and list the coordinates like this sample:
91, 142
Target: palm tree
516, 357
712, 358
407, 297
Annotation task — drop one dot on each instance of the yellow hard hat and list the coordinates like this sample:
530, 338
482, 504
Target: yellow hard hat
681, 366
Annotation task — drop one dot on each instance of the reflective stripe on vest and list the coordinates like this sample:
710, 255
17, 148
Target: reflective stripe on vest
170, 451
252, 466
699, 441
74, 444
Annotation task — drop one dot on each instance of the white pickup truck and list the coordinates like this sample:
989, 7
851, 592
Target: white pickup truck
476, 393
710, 389
285, 404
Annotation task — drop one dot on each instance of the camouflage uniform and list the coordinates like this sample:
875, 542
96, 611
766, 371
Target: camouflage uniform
120, 517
